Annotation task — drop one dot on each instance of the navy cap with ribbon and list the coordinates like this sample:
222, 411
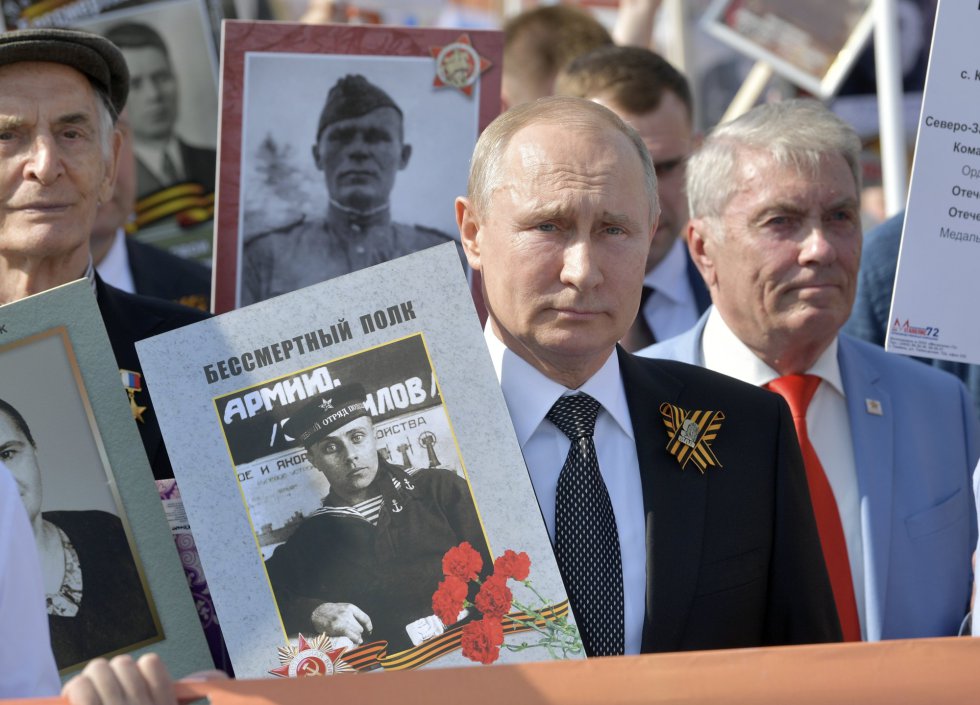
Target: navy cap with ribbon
322, 415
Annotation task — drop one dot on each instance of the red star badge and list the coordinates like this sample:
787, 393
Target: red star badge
458, 65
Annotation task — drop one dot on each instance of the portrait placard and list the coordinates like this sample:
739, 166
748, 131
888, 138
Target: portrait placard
172, 113
115, 582
341, 147
25, 14
812, 43
336, 446
938, 258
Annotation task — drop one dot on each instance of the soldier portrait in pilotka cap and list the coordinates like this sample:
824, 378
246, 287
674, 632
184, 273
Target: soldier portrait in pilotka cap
359, 148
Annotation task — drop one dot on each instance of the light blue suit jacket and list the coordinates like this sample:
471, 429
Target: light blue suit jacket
918, 517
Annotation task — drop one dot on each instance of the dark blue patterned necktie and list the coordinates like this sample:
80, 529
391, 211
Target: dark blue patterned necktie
586, 540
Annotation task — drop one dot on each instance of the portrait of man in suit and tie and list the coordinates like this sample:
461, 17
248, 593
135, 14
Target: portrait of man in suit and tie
163, 157
658, 552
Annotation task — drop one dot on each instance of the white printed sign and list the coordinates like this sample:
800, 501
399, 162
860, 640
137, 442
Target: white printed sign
936, 282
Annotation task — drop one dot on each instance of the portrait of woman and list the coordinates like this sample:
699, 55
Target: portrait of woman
95, 598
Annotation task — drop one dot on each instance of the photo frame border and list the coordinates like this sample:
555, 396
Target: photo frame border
239, 38
73, 307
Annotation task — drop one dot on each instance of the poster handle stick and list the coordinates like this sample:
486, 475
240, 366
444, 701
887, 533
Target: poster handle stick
749, 93
891, 124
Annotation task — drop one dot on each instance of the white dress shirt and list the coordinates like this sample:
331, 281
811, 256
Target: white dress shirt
529, 396
671, 309
114, 267
826, 421
27, 668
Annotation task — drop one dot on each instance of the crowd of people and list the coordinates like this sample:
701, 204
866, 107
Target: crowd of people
634, 272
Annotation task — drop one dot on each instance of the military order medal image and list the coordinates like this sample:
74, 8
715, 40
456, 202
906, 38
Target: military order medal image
459, 65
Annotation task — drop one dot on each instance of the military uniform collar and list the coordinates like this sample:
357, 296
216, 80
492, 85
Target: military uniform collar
350, 222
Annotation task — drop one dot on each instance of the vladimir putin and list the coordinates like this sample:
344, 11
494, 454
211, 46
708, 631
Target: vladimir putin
675, 497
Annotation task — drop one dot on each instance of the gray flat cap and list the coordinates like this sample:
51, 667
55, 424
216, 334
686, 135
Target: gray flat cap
90, 54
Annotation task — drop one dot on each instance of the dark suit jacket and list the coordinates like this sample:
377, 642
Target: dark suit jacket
163, 275
734, 558
129, 318
113, 613
199, 165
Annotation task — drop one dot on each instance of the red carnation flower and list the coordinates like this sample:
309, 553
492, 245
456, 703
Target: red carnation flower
512, 565
447, 600
481, 640
462, 562
494, 598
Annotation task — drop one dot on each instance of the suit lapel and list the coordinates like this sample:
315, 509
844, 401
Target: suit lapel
146, 182
873, 438
674, 503
124, 324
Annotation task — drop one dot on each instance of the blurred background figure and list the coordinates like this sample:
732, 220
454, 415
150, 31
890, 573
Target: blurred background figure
537, 45
134, 266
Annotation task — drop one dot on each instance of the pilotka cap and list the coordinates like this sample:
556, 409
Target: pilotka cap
352, 96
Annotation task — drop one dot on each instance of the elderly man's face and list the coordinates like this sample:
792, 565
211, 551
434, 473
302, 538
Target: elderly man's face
782, 259
563, 246
152, 99
18, 455
360, 157
53, 170
668, 134
348, 458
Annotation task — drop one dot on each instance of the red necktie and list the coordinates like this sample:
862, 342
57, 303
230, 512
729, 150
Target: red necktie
798, 390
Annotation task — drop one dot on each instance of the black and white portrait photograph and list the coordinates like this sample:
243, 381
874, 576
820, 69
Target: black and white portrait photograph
347, 162
342, 147
96, 594
360, 498
173, 92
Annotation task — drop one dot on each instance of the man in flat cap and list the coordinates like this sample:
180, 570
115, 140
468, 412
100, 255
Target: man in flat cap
61, 92
366, 564
359, 148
